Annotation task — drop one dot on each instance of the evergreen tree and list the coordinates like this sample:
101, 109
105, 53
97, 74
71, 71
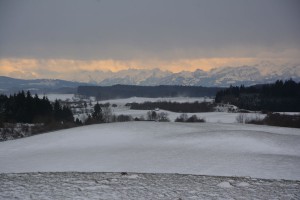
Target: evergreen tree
57, 111
97, 114
67, 114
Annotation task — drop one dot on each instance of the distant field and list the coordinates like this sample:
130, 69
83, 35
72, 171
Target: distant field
53, 97
214, 117
142, 99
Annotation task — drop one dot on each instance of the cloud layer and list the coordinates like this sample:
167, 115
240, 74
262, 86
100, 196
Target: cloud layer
134, 29
61, 38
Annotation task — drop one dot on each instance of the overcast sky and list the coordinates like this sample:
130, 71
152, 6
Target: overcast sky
148, 32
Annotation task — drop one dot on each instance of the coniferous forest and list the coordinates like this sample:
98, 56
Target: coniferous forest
281, 96
127, 91
25, 108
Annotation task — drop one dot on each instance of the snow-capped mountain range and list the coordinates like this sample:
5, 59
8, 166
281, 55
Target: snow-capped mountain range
224, 76
218, 77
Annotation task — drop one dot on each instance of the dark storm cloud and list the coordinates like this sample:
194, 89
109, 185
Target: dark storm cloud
130, 29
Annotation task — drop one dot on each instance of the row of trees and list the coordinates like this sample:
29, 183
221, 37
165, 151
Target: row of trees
282, 96
154, 116
174, 106
185, 118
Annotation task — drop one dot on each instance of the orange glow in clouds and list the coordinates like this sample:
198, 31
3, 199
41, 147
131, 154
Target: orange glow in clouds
70, 69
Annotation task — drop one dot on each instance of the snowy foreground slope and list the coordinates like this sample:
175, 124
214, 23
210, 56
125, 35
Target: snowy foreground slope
78, 185
152, 147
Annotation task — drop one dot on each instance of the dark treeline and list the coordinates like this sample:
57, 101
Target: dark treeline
174, 106
185, 118
126, 91
25, 108
282, 96
276, 119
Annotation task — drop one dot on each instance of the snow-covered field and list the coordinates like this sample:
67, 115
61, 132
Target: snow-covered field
219, 147
214, 117
153, 147
53, 97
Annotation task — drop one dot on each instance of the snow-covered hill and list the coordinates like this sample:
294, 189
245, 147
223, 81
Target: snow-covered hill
205, 148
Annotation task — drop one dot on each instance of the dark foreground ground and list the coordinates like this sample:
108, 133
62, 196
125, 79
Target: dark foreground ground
75, 185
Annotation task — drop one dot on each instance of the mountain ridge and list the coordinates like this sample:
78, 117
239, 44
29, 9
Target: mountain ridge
218, 77
224, 76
